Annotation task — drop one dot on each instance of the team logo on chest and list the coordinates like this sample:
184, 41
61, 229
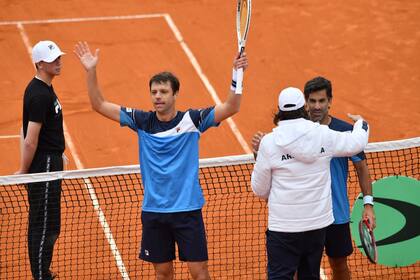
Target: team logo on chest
286, 157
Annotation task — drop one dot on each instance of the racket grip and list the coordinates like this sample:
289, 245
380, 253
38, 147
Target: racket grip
239, 80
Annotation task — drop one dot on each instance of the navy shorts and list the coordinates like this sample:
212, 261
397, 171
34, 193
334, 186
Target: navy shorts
162, 230
289, 252
338, 241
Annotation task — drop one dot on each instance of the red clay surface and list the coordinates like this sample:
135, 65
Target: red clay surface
368, 49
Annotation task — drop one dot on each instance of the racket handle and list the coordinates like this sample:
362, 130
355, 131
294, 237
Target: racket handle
239, 80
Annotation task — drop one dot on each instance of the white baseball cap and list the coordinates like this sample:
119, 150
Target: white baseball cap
47, 51
291, 99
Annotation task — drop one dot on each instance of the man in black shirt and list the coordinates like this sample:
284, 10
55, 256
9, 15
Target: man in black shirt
42, 151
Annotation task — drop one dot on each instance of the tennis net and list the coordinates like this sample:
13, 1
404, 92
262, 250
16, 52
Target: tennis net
101, 224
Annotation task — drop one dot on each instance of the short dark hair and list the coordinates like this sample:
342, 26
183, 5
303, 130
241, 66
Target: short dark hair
290, 115
164, 77
317, 84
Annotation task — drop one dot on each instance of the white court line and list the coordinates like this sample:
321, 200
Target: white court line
66, 20
206, 81
178, 36
9, 136
88, 184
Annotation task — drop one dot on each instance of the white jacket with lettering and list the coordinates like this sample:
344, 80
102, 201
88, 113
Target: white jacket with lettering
292, 170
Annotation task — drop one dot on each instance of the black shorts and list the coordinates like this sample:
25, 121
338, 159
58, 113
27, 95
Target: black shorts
162, 230
338, 241
289, 252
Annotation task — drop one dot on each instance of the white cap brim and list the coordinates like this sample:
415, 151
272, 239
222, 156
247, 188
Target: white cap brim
53, 56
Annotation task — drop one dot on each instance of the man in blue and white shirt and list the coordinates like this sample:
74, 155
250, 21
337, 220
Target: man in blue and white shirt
168, 141
338, 244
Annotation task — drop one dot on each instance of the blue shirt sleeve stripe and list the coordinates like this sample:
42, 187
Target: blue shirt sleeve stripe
207, 120
127, 118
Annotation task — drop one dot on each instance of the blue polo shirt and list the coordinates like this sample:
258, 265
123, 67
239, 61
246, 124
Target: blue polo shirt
339, 173
168, 157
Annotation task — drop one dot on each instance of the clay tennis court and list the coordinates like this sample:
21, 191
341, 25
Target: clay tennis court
368, 49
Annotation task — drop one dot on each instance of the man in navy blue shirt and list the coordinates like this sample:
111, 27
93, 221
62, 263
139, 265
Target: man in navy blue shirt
338, 244
168, 155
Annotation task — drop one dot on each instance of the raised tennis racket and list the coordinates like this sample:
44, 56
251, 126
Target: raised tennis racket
368, 240
243, 19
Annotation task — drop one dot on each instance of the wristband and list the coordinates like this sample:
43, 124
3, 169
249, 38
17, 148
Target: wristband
368, 199
233, 84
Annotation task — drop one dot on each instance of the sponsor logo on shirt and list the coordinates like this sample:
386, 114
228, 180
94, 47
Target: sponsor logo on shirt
57, 107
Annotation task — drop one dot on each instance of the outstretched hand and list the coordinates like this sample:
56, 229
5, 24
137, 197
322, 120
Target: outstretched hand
87, 59
255, 141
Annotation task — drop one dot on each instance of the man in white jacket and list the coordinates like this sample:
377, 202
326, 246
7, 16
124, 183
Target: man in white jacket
292, 171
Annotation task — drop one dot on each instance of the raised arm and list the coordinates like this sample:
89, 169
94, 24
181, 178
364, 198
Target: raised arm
261, 175
97, 101
349, 144
255, 142
233, 102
